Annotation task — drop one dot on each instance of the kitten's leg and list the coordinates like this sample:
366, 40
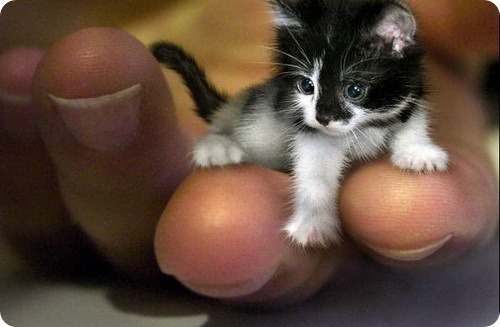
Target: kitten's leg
318, 165
413, 149
216, 150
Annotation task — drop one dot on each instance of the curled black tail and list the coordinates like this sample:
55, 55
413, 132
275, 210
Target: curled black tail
205, 96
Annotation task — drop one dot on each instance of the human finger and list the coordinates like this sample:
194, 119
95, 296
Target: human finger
33, 218
403, 217
108, 122
221, 235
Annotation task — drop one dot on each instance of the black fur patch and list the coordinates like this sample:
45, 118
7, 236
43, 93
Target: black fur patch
341, 34
206, 97
344, 36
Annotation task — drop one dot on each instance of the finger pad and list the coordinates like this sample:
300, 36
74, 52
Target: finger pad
388, 208
223, 225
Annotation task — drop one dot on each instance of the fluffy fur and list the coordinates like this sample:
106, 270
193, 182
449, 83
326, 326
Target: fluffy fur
348, 85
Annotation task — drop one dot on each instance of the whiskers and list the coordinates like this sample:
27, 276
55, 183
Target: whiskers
363, 146
293, 111
301, 63
419, 102
358, 68
301, 49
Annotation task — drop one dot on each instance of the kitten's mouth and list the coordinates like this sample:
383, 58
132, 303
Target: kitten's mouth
333, 128
333, 131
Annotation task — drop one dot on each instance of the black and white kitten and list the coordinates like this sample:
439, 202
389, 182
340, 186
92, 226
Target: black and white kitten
348, 85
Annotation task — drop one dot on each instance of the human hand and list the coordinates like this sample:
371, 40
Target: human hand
399, 219
235, 248
228, 244
105, 166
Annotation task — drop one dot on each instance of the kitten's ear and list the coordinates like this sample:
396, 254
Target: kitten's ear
284, 14
397, 27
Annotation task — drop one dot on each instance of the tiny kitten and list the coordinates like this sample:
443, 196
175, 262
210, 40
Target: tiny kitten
348, 85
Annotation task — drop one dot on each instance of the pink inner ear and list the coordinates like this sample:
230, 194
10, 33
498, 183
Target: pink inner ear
398, 28
395, 35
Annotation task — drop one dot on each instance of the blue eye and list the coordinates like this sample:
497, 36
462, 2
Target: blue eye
306, 86
355, 92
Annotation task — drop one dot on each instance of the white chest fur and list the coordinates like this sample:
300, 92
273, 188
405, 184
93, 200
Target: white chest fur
264, 139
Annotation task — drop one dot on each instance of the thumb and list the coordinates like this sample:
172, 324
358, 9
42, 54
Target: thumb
108, 123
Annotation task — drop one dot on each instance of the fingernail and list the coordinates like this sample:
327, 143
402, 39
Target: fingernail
229, 291
17, 117
412, 255
106, 123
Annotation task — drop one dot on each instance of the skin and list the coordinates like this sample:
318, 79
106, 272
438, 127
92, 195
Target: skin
228, 244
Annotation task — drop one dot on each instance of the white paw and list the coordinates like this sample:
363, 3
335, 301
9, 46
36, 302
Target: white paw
216, 150
419, 158
315, 231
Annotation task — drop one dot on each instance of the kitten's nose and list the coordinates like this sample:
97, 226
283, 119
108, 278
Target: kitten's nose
323, 119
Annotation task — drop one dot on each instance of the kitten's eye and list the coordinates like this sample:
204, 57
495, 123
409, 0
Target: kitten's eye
306, 86
355, 92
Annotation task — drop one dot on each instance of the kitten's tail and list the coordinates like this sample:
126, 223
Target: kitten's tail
206, 97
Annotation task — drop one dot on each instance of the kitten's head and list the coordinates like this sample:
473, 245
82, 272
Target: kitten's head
344, 64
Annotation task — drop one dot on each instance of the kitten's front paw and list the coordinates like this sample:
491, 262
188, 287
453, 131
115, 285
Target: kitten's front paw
216, 150
418, 158
305, 231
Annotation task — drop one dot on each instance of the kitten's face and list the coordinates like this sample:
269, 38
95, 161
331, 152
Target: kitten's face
354, 64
